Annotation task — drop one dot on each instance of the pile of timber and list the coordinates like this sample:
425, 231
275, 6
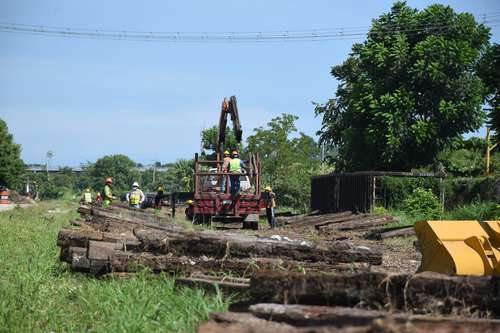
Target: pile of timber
118, 239
344, 221
386, 233
363, 302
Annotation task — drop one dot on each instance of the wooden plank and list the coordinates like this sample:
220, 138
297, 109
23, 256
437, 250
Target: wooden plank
421, 293
364, 224
226, 285
102, 250
319, 288
306, 219
220, 244
307, 316
403, 232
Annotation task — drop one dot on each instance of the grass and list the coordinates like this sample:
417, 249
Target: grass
475, 211
40, 294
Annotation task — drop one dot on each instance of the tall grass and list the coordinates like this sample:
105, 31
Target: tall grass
40, 294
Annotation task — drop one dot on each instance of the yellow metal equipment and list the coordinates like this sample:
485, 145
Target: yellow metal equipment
460, 247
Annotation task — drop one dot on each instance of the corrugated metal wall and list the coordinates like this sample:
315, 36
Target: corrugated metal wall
337, 193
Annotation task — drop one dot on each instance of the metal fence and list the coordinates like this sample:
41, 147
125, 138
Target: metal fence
354, 191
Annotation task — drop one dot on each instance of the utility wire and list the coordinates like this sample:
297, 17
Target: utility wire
308, 35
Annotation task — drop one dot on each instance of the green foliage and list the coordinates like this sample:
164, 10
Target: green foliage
180, 176
463, 191
405, 95
422, 203
395, 190
289, 159
119, 167
489, 70
209, 139
474, 211
462, 162
40, 294
11, 164
55, 185
465, 158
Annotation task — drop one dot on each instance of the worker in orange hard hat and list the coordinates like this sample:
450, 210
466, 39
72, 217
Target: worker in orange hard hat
225, 168
107, 192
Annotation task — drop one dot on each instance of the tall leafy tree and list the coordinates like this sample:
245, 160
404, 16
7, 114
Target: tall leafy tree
289, 159
407, 91
209, 138
180, 176
120, 167
489, 70
11, 164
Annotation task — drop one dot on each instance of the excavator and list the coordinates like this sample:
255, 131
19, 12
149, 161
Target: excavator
211, 202
459, 247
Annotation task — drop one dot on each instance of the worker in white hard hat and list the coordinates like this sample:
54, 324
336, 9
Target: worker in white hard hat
135, 197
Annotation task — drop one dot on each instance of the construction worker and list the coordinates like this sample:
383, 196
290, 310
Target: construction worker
135, 197
270, 206
225, 168
159, 197
98, 198
107, 192
236, 166
189, 211
87, 197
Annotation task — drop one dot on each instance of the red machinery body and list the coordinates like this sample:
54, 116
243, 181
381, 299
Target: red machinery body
224, 205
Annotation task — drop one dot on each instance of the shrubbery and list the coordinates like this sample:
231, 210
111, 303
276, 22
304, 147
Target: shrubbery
395, 190
422, 203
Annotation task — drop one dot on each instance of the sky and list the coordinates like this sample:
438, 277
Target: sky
86, 98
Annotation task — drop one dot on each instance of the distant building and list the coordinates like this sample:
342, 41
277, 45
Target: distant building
36, 168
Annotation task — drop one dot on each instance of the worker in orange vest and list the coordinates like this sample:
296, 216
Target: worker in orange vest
225, 168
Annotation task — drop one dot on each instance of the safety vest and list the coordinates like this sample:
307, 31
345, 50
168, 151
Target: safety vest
235, 165
108, 194
135, 197
87, 197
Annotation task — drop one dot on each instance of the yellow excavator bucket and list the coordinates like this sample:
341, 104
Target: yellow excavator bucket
459, 247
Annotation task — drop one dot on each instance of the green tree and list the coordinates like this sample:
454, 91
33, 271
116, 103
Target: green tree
11, 164
180, 176
489, 70
119, 167
407, 91
289, 159
209, 138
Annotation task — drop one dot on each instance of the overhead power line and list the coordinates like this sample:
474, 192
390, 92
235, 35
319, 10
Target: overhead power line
308, 35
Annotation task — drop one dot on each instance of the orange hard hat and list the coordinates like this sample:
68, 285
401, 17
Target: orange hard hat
109, 180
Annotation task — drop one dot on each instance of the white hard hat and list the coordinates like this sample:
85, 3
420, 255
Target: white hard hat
135, 184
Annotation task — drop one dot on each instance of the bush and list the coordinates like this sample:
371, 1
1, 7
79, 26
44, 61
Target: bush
395, 190
462, 191
424, 203
475, 211
55, 185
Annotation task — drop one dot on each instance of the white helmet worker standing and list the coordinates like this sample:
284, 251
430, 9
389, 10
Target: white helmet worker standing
135, 197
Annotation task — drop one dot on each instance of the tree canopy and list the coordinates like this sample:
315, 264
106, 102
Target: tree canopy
289, 159
209, 138
119, 167
11, 164
489, 70
407, 91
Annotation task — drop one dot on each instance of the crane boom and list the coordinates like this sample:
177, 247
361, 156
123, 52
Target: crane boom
228, 107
